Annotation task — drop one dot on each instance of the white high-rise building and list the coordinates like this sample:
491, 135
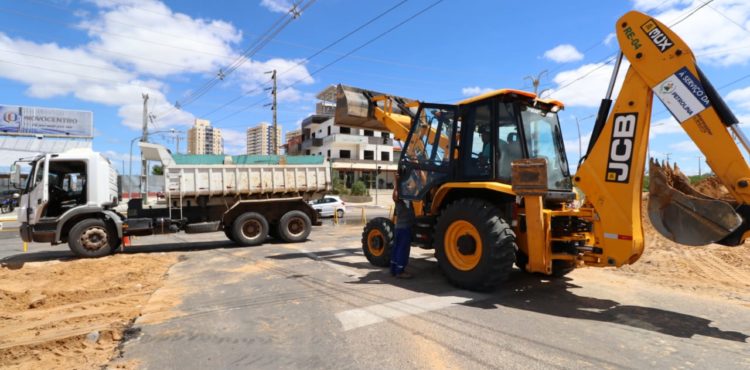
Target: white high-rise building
260, 139
204, 139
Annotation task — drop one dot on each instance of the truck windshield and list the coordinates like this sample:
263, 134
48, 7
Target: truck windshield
544, 140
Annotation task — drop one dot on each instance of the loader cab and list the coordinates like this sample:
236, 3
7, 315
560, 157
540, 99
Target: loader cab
478, 139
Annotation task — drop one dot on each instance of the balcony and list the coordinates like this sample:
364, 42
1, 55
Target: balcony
345, 138
376, 140
309, 143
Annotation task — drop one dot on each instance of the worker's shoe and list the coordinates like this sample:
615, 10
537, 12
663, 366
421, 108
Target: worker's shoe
403, 275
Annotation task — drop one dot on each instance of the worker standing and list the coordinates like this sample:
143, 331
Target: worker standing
402, 240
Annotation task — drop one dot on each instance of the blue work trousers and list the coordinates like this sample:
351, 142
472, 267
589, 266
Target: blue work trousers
400, 251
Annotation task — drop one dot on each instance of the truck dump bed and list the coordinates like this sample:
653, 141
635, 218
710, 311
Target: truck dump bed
247, 177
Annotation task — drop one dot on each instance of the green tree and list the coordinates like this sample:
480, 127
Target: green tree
157, 170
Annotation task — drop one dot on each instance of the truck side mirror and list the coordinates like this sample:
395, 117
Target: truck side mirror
15, 175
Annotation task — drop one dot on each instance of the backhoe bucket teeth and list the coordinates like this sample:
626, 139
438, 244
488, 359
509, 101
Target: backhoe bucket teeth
684, 215
354, 107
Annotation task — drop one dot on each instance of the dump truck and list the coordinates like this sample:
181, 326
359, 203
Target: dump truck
491, 187
73, 198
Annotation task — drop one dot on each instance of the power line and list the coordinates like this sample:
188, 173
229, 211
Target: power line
320, 51
370, 41
242, 58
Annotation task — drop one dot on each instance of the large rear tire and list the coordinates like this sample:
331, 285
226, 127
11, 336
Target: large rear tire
474, 246
377, 241
250, 228
92, 238
294, 227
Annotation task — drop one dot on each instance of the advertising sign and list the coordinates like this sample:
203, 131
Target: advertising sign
16, 120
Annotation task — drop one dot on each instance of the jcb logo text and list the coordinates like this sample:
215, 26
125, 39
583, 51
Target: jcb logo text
621, 147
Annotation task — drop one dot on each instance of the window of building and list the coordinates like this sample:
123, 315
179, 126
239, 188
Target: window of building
385, 156
345, 130
345, 154
369, 133
329, 130
369, 155
328, 153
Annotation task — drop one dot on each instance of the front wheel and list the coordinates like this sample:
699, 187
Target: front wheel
377, 241
92, 238
474, 246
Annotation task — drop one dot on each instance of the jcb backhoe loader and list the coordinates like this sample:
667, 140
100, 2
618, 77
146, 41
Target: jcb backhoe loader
490, 183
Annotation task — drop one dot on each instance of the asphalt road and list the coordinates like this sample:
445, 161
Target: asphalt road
319, 304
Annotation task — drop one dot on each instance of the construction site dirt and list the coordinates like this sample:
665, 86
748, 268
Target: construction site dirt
68, 313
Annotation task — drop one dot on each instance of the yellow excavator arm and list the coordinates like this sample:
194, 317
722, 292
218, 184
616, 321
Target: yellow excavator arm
611, 172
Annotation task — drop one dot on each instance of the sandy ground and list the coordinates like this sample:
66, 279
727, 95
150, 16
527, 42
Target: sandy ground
712, 270
71, 314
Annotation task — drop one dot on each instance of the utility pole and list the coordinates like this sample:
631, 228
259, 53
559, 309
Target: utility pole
273, 107
668, 155
144, 162
176, 136
699, 165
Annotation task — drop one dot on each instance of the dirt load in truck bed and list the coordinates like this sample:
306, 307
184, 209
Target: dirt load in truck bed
71, 313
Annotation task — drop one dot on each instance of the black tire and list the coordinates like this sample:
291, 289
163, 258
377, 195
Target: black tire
228, 233
377, 241
92, 238
559, 268
294, 227
250, 228
474, 246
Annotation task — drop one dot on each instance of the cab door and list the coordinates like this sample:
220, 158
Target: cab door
38, 196
425, 159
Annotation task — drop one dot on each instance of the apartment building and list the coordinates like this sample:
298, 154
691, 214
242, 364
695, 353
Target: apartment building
355, 154
260, 139
204, 139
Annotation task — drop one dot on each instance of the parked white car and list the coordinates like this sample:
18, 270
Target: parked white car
329, 204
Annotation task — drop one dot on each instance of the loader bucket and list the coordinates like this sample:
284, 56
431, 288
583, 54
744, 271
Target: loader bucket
683, 214
353, 107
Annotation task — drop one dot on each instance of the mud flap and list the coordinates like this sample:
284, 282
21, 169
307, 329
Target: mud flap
684, 215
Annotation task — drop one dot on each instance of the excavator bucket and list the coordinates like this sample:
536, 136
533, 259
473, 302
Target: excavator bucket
684, 215
354, 107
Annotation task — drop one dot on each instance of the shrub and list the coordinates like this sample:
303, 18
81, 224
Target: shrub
359, 188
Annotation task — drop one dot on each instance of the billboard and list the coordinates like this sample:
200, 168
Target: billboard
16, 120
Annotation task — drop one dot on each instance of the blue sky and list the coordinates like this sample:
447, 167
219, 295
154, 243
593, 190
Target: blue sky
101, 55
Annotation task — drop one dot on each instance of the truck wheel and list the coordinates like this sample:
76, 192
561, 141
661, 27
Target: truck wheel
92, 238
228, 233
250, 228
377, 241
474, 246
294, 227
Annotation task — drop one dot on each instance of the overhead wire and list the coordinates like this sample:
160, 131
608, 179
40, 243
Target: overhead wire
368, 42
318, 52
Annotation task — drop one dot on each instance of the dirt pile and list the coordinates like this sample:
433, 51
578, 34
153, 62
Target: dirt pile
713, 187
712, 270
71, 314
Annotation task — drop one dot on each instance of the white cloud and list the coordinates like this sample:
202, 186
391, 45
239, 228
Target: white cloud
741, 97
277, 6
610, 38
717, 34
665, 126
235, 142
475, 90
684, 146
119, 64
657, 4
574, 89
563, 54
171, 42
